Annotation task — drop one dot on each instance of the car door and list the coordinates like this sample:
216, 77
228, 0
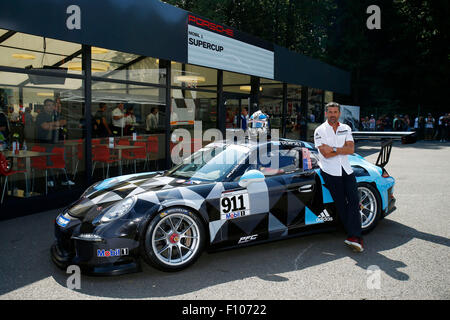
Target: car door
242, 216
291, 196
291, 193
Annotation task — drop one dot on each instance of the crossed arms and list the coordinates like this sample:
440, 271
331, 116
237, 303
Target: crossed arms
53, 125
327, 151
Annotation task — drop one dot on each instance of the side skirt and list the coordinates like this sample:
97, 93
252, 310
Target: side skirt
329, 228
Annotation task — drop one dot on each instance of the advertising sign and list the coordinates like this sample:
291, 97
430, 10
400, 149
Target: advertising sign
350, 116
217, 46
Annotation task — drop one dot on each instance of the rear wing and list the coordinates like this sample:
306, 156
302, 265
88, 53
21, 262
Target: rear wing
405, 136
385, 154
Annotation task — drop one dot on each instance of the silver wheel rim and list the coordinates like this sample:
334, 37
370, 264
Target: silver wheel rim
175, 239
367, 206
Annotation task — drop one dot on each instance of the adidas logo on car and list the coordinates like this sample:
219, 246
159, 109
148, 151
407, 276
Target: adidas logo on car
324, 216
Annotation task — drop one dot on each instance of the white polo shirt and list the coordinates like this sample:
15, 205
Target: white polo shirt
118, 123
324, 134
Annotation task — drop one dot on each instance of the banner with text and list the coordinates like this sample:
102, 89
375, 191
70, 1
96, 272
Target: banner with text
213, 45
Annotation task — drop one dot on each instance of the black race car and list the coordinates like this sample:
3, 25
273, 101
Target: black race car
225, 195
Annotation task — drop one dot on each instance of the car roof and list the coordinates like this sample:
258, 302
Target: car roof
254, 143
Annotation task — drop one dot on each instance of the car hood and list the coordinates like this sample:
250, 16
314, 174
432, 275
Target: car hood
104, 194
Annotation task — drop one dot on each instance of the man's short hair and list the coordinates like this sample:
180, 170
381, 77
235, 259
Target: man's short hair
49, 100
334, 105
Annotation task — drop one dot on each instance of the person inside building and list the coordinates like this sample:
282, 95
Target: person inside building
130, 121
244, 119
4, 128
100, 124
118, 120
29, 129
47, 135
152, 120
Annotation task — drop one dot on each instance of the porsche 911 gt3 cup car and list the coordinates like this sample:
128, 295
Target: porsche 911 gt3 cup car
205, 203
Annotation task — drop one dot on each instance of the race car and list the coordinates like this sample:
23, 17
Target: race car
225, 195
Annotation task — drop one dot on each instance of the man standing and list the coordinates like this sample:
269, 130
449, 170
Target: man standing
429, 127
47, 129
152, 120
335, 142
46, 125
101, 127
244, 119
118, 120
372, 123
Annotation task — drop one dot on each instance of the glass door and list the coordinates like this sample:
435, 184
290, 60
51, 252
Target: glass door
236, 110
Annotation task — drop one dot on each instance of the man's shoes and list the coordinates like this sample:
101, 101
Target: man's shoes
355, 243
50, 184
68, 183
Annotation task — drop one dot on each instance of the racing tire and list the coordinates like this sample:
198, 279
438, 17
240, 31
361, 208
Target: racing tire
174, 240
369, 206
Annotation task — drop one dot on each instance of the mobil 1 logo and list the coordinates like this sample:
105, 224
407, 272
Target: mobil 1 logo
234, 204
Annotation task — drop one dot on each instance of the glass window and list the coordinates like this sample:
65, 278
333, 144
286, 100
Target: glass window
126, 66
33, 52
294, 92
328, 97
236, 82
315, 112
271, 88
189, 107
273, 107
128, 126
294, 121
2, 32
42, 130
315, 105
190, 76
235, 105
271, 102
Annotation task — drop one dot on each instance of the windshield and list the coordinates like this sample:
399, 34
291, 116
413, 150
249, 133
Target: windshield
210, 163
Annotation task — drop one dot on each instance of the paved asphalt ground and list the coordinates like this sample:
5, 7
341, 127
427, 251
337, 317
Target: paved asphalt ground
410, 248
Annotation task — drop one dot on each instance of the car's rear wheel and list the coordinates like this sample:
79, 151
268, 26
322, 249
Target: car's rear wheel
174, 239
369, 206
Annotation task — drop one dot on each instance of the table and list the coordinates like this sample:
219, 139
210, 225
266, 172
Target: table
27, 155
119, 149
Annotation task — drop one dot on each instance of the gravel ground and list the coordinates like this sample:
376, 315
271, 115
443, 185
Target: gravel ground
409, 249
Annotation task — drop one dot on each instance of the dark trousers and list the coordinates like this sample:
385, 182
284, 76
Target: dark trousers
345, 195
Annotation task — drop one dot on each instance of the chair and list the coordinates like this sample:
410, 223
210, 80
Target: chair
101, 153
59, 162
140, 153
80, 157
126, 154
39, 163
6, 172
152, 149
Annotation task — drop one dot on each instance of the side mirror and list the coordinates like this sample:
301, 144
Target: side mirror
250, 177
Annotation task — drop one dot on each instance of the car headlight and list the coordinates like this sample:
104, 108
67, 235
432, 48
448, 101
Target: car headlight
118, 210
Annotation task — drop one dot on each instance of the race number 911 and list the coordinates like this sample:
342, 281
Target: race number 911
234, 204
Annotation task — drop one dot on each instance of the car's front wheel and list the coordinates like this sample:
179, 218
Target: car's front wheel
174, 239
369, 206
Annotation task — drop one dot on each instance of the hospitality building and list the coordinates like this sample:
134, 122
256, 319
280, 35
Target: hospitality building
70, 69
